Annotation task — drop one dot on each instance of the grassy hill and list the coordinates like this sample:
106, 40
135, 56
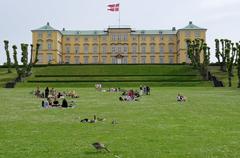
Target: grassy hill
115, 75
215, 70
5, 77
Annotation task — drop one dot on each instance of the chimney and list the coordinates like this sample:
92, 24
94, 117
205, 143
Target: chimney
48, 24
190, 22
63, 29
173, 28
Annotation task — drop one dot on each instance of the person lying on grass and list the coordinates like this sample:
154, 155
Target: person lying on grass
129, 96
181, 98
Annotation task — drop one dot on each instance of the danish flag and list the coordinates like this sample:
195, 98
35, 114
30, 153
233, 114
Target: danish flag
113, 7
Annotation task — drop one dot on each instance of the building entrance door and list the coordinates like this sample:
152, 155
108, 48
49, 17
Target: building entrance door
119, 61
119, 58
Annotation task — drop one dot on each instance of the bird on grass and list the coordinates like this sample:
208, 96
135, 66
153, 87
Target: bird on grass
99, 146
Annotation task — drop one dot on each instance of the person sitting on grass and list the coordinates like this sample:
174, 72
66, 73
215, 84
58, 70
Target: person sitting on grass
181, 98
64, 103
55, 103
45, 103
37, 92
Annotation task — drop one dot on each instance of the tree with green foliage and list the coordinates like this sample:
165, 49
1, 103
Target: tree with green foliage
230, 52
195, 50
8, 56
26, 68
220, 53
238, 62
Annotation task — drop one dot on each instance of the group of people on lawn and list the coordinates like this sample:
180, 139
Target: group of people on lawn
51, 97
54, 93
132, 95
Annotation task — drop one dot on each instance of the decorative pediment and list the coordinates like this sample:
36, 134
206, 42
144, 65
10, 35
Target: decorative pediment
119, 56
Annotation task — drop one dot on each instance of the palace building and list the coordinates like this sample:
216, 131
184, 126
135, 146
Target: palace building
115, 45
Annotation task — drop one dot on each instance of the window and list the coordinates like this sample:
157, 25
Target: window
49, 34
77, 61
134, 60
134, 49
49, 44
114, 37
171, 60
161, 49
67, 49
134, 38
143, 49
119, 49
125, 49
152, 38
119, 37
125, 37
40, 45
104, 49
39, 34
113, 60
187, 34
113, 49
170, 38
104, 60
186, 45
161, 60
86, 60
197, 34
76, 39
76, 49
171, 49
152, 49
152, 60
50, 58
104, 38
125, 60
187, 58
95, 60
143, 59
67, 60
143, 38
85, 49
95, 49
40, 59
95, 38
68, 39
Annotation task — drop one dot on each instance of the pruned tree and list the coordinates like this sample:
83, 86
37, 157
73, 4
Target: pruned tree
195, 50
8, 56
230, 53
206, 61
220, 53
238, 62
26, 68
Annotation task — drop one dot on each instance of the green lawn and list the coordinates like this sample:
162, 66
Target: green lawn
206, 126
5, 77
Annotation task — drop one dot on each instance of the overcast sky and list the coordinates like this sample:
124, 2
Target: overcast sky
19, 17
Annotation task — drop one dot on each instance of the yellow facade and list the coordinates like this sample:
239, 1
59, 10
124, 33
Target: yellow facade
116, 45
